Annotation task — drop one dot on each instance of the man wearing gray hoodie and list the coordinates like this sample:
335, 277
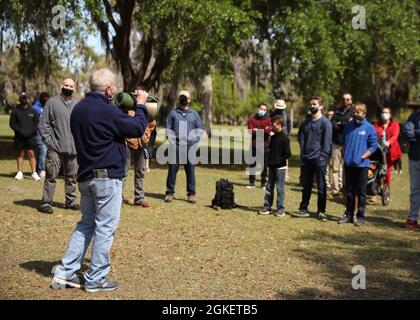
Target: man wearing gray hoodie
55, 130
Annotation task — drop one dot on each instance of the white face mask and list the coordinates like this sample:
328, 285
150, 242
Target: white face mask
385, 116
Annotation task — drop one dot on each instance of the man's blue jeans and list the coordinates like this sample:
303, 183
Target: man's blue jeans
414, 167
181, 153
42, 153
100, 204
276, 177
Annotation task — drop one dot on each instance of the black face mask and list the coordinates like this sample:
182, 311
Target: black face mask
358, 119
183, 101
313, 109
67, 92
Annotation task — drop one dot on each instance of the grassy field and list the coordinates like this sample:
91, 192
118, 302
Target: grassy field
184, 251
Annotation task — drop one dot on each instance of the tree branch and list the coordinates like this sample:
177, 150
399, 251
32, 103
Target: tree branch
108, 10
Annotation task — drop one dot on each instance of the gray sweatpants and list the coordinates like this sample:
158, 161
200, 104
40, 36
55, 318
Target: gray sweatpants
53, 163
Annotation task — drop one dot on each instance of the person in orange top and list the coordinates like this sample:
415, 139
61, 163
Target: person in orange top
135, 151
388, 131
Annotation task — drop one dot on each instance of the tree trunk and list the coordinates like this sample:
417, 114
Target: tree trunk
207, 90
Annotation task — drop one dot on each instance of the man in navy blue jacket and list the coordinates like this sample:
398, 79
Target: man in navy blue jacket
360, 142
411, 131
315, 140
99, 130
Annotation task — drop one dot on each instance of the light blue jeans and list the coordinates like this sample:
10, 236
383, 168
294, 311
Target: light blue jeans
414, 167
276, 178
42, 152
100, 204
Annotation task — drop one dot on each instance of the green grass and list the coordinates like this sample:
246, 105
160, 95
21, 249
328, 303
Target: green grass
184, 251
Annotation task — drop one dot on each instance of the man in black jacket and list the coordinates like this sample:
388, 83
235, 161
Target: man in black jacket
24, 122
278, 153
341, 117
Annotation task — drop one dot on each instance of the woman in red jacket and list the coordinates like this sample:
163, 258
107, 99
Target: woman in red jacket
388, 131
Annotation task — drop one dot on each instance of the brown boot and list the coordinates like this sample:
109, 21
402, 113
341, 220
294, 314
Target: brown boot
142, 203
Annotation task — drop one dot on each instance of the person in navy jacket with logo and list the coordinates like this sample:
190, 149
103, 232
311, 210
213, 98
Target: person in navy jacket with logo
360, 142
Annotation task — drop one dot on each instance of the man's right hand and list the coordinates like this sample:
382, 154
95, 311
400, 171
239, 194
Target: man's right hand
141, 97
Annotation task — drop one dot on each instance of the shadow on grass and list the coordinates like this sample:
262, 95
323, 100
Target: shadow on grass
44, 268
392, 266
7, 151
159, 196
35, 203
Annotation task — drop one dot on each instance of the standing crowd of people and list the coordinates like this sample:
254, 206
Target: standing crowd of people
93, 144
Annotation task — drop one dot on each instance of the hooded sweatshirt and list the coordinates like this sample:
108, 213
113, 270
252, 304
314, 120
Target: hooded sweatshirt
357, 140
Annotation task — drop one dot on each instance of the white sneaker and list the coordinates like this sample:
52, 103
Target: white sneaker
19, 175
35, 176
42, 174
147, 169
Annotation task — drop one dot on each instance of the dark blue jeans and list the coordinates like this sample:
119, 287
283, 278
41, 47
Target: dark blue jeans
309, 168
276, 177
356, 186
173, 170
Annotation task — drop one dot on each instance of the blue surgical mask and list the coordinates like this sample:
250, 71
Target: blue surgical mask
261, 113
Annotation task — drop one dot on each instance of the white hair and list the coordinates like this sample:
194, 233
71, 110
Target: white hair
101, 79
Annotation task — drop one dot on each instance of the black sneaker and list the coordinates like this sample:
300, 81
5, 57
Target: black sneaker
74, 206
108, 285
46, 209
280, 213
345, 219
191, 199
169, 198
264, 211
58, 283
301, 213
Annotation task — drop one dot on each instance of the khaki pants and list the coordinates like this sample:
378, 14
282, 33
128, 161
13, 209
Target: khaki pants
52, 168
336, 168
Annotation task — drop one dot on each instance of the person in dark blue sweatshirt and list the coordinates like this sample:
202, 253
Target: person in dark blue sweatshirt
360, 142
99, 130
315, 140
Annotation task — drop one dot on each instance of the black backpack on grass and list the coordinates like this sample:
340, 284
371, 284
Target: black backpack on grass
225, 197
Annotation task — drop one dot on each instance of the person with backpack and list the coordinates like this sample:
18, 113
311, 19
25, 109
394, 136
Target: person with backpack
278, 153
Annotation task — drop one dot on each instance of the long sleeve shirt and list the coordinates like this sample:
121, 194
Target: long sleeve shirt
315, 139
183, 126
54, 125
24, 122
411, 131
99, 130
357, 140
